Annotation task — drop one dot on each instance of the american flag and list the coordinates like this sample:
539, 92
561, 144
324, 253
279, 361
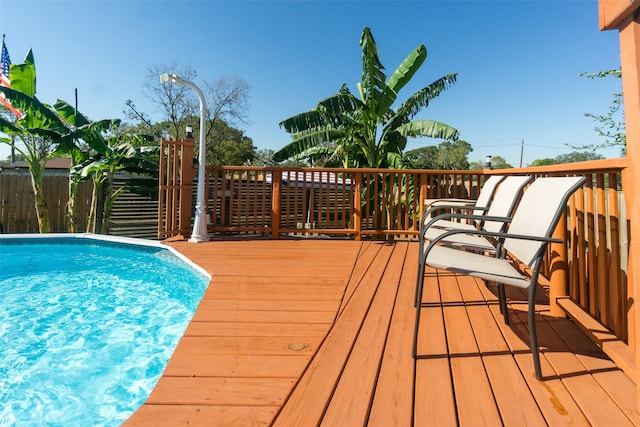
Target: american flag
4, 79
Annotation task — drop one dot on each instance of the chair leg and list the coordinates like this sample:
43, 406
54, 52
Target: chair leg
421, 266
419, 287
500, 293
419, 279
532, 331
502, 296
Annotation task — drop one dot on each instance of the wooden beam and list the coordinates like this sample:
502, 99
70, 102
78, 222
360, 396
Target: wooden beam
613, 346
612, 13
630, 65
559, 267
276, 205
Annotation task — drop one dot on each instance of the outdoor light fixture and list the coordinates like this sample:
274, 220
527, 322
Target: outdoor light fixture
189, 131
487, 162
199, 233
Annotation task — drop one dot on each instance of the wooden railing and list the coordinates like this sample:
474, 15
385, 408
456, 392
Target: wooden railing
593, 262
357, 203
588, 272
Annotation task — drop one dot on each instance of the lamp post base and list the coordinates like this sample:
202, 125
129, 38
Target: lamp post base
199, 233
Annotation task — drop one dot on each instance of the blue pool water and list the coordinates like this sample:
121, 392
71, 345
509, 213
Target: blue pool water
87, 327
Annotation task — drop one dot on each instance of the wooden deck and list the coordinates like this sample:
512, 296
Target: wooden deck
318, 332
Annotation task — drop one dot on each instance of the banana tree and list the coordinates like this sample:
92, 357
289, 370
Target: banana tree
39, 122
53, 124
367, 131
123, 153
91, 135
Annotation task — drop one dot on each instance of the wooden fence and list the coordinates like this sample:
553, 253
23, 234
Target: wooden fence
132, 215
17, 206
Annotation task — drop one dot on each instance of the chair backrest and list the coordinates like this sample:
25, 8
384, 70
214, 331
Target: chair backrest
538, 213
505, 200
487, 192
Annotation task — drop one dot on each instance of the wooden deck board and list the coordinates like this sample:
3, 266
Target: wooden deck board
393, 397
469, 376
251, 329
311, 332
366, 258
222, 391
201, 415
434, 396
361, 370
597, 406
312, 395
553, 398
513, 397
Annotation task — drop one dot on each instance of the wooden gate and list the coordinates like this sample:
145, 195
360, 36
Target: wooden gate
175, 187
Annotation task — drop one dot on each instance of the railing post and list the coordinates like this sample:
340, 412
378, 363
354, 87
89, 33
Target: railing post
161, 191
187, 172
357, 206
424, 188
276, 202
624, 18
558, 268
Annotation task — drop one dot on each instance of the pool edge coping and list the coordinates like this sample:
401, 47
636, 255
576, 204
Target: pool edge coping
113, 239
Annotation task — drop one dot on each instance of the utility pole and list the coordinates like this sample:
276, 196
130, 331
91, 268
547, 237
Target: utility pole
521, 151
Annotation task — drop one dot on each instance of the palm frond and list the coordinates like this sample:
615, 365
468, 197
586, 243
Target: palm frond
421, 99
304, 141
340, 104
37, 114
69, 113
403, 74
8, 127
373, 78
304, 121
395, 161
392, 140
429, 129
318, 151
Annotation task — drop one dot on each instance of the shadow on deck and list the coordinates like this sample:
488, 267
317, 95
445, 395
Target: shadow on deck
318, 332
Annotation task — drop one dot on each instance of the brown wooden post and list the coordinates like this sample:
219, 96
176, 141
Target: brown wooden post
276, 202
424, 188
623, 16
558, 263
187, 172
630, 59
602, 257
357, 205
161, 190
616, 293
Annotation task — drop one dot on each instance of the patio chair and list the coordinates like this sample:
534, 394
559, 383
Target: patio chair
493, 219
526, 239
478, 206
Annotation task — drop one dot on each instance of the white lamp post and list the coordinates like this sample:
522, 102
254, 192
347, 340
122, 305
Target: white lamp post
199, 233
487, 162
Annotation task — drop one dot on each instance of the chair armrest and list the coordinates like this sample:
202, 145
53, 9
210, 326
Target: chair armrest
428, 203
496, 235
454, 207
452, 215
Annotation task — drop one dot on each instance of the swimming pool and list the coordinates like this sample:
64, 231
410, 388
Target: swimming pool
87, 326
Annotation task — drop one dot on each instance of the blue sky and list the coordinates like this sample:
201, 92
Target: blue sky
517, 61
